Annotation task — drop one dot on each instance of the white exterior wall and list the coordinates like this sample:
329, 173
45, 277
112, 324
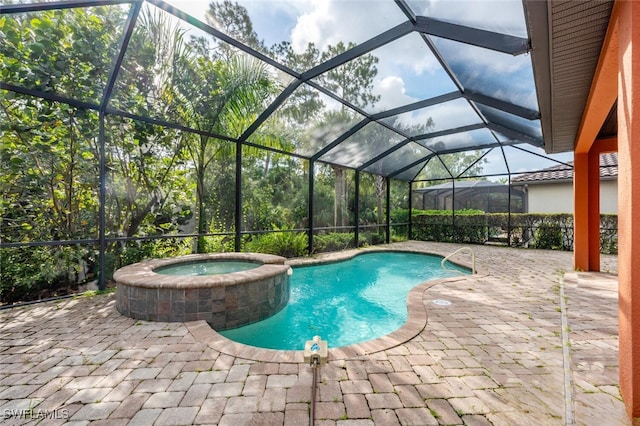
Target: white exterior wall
551, 198
558, 197
609, 196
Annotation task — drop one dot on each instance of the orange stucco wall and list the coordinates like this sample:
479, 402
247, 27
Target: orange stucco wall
629, 202
582, 194
618, 73
586, 185
594, 209
602, 97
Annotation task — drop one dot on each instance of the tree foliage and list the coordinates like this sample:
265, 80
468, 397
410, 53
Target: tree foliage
48, 150
165, 181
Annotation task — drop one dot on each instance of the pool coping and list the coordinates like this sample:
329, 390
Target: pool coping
417, 318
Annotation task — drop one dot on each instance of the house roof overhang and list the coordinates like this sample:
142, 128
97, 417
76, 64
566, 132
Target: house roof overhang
567, 39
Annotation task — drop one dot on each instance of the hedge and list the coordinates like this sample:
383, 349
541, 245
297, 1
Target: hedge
543, 231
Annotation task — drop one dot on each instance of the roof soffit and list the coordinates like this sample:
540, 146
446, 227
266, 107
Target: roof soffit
567, 39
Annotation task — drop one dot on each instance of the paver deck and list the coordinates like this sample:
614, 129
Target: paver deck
508, 350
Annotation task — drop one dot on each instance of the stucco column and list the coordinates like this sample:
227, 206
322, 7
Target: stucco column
586, 190
594, 209
581, 211
629, 204
586, 210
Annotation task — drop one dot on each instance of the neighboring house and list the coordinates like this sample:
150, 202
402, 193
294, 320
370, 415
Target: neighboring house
551, 190
490, 197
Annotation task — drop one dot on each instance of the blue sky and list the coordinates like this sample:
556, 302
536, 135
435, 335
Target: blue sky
407, 71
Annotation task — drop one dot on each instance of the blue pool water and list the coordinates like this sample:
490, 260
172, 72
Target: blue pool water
213, 267
344, 302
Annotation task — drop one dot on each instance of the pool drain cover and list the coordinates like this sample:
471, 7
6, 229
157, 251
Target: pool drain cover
441, 302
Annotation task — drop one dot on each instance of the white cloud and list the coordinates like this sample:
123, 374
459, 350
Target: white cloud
313, 27
409, 54
392, 92
407, 71
331, 21
502, 76
505, 16
195, 8
449, 115
483, 60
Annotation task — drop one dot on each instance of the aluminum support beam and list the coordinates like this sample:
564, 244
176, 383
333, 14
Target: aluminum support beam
503, 43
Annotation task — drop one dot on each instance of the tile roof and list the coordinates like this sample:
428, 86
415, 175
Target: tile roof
462, 184
561, 172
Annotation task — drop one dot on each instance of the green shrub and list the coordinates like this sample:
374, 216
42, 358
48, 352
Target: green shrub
548, 237
471, 228
122, 254
609, 234
31, 273
287, 243
399, 232
334, 241
138, 251
545, 231
219, 243
462, 212
372, 238
399, 215
435, 227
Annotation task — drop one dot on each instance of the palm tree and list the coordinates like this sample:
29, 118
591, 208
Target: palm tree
222, 95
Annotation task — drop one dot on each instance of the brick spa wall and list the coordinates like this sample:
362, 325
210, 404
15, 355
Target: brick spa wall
224, 300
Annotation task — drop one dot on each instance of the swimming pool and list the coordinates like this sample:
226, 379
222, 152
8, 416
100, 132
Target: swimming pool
345, 302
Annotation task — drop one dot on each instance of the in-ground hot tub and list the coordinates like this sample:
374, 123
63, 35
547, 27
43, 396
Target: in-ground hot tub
257, 289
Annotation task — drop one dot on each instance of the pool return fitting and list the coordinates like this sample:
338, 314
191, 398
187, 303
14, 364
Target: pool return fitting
315, 353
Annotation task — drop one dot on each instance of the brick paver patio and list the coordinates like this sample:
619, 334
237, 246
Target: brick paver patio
506, 351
